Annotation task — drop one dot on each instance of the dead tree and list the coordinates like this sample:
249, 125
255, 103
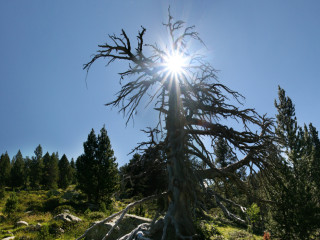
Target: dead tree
190, 102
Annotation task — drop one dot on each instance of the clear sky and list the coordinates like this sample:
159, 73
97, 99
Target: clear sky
256, 45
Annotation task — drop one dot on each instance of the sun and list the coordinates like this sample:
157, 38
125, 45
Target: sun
175, 63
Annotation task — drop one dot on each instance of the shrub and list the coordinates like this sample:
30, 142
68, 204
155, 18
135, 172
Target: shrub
51, 204
96, 215
44, 234
11, 204
253, 213
241, 234
62, 208
102, 207
208, 230
2, 193
87, 212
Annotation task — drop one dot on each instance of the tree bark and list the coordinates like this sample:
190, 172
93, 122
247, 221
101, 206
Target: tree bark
179, 201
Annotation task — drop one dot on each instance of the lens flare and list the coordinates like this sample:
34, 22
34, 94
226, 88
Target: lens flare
175, 63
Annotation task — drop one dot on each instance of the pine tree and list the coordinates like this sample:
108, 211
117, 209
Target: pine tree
297, 211
97, 173
107, 171
50, 171
223, 153
27, 171
65, 172
37, 168
85, 165
224, 157
143, 172
73, 171
17, 171
5, 168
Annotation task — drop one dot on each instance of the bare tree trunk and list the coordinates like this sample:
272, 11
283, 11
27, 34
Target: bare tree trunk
179, 212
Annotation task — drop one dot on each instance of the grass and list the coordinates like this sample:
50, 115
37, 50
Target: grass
41, 206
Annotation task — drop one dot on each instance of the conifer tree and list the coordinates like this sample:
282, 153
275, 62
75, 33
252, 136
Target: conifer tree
65, 172
50, 171
73, 171
17, 171
37, 168
297, 211
224, 157
5, 168
143, 172
27, 171
97, 172
85, 165
107, 171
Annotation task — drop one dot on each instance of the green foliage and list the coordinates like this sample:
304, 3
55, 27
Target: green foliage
62, 208
11, 204
97, 172
207, 230
65, 172
102, 207
5, 167
87, 211
240, 235
73, 171
17, 171
2, 193
145, 174
297, 213
86, 176
44, 234
96, 215
51, 203
36, 170
50, 171
253, 213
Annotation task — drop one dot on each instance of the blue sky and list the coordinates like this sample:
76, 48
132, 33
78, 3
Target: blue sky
256, 45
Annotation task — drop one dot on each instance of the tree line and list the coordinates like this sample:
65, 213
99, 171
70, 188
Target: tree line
95, 172
40, 171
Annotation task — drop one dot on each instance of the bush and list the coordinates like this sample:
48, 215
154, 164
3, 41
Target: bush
102, 207
11, 204
96, 215
51, 204
241, 234
208, 230
87, 212
62, 208
44, 234
2, 193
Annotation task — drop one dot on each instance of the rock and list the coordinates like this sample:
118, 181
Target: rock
66, 210
67, 217
60, 230
128, 223
21, 223
8, 238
